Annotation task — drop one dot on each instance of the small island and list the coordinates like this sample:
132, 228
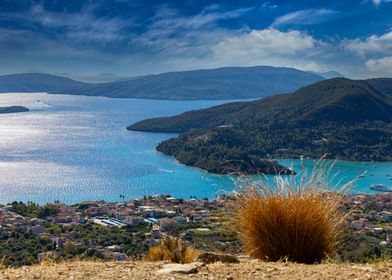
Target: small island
13, 109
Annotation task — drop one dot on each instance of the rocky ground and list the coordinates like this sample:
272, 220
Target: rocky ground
246, 269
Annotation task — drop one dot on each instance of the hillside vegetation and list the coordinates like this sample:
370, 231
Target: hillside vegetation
342, 118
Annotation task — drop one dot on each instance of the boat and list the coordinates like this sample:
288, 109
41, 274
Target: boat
166, 170
362, 174
380, 188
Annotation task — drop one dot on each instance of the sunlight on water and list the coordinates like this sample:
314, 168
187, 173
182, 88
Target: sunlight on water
75, 148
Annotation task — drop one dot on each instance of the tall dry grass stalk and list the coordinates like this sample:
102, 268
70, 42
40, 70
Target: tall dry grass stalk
172, 249
291, 220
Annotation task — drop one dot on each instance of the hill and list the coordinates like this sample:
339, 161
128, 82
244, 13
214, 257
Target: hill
329, 74
221, 83
37, 82
342, 118
13, 109
333, 100
383, 85
246, 269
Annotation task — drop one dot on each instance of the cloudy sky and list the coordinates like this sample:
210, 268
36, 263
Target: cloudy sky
136, 37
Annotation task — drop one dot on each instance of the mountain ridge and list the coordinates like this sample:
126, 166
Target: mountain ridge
203, 84
287, 104
35, 82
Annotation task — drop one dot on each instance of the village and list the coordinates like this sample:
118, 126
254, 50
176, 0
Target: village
122, 230
155, 216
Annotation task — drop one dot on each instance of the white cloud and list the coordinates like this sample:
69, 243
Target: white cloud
268, 47
172, 33
267, 5
207, 16
378, 2
371, 45
266, 42
256, 47
171, 21
83, 26
304, 17
380, 67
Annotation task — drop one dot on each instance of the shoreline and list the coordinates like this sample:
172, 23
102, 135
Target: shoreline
218, 197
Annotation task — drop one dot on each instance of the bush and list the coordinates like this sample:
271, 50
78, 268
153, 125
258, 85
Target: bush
70, 248
294, 221
172, 249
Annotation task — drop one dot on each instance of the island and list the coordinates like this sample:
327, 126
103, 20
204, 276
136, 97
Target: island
13, 109
337, 118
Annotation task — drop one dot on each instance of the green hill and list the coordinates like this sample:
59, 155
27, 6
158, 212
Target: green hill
337, 99
342, 118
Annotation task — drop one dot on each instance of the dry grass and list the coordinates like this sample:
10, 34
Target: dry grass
172, 249
289, 220
246, 270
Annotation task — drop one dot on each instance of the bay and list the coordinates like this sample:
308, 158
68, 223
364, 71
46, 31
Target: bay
76, 148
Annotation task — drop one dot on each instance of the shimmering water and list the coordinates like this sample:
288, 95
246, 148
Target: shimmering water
75, 148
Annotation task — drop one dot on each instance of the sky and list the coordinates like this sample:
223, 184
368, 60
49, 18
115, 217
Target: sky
138, 37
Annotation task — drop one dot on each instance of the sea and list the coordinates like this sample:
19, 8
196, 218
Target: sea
76, 148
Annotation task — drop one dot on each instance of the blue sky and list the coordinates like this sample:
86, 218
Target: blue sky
138, 37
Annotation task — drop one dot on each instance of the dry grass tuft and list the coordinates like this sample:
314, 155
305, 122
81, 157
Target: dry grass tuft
172, 249
291, 220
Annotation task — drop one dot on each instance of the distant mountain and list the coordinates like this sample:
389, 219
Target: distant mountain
13, 109
221, 83
342, 118
35, 82
329, 74
99, 78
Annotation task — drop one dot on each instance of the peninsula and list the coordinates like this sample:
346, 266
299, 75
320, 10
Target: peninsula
341, 118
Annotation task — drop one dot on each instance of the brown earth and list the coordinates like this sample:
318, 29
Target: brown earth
247, 269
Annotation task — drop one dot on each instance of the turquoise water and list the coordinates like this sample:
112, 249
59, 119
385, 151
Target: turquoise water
75, 148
